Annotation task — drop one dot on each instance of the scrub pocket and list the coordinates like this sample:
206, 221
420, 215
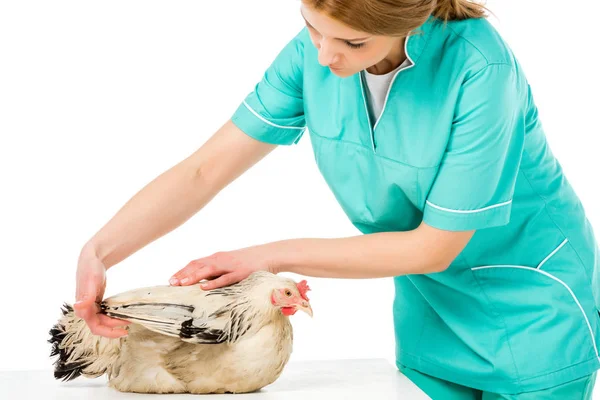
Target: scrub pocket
549, 316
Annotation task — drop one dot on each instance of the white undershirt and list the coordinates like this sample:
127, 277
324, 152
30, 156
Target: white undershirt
378, 86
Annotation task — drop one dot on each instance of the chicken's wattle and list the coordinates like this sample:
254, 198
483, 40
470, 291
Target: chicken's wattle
288, 310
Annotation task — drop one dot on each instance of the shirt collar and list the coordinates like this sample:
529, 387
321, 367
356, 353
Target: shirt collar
418, 39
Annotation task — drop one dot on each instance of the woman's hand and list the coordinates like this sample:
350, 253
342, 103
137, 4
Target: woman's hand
225, 268
91, 283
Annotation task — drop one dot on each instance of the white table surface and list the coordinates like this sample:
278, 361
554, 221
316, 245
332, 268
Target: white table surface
365, 379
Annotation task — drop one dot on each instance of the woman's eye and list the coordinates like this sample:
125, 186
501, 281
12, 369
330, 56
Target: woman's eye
355, 45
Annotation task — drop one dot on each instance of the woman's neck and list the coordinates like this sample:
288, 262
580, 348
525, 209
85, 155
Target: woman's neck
392, 61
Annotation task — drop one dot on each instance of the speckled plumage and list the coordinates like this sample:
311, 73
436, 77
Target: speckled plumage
183, 339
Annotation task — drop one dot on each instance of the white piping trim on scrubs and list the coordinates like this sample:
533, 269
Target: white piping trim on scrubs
269, 122
392, 82
553, 253
559, 281
468, 211
362, 91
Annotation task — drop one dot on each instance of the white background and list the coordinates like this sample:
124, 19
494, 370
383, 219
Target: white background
98, 98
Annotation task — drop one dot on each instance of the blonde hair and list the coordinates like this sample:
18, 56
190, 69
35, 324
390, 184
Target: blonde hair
394, 17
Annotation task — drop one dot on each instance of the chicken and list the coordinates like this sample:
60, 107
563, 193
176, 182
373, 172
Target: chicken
182, 339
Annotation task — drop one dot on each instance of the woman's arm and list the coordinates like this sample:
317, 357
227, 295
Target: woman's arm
158, 208
177, 194
421, 251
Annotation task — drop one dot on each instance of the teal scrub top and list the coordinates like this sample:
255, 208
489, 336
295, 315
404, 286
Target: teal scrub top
460, 146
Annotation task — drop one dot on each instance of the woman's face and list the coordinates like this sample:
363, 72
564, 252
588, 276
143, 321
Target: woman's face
344, 50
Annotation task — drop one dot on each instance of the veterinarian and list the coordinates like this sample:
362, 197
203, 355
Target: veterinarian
426, 130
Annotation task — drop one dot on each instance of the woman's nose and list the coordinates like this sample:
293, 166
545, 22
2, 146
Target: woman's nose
326, 55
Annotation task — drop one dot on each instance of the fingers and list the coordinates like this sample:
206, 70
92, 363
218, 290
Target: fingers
99, 324
185, 272
86, 292
223, 280
85, 308
208, 272
194, 273
102, 330
90, 280
112, 322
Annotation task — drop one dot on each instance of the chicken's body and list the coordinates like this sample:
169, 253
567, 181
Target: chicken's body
183, 339
253, 362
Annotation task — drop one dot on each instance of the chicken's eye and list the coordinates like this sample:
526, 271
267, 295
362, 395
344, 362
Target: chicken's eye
288, 292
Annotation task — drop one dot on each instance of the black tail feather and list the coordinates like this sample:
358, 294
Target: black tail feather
63, 370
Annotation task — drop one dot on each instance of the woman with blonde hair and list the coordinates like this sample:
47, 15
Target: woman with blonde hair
424, 127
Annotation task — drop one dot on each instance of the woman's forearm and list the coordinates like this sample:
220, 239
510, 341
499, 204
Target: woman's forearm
158, 208
177, 194
423, 250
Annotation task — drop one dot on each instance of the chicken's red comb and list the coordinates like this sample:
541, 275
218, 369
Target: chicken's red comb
303, 288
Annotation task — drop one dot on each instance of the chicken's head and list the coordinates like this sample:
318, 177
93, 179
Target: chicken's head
291, 298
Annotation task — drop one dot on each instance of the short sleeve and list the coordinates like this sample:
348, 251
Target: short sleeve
274, 111
476, 179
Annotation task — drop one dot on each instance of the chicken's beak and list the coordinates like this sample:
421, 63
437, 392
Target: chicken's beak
305, 306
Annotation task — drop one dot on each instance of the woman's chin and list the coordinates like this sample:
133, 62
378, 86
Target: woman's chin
341, 72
